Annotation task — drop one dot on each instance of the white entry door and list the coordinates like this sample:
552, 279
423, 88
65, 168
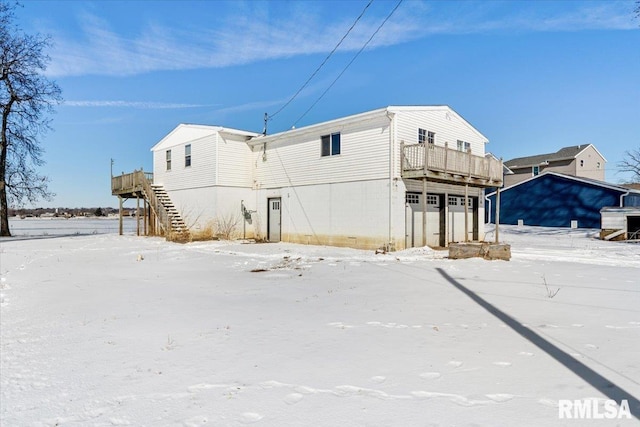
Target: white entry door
274, 219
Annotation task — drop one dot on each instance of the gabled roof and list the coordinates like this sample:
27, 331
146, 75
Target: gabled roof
589, 181
189, 132
566, 153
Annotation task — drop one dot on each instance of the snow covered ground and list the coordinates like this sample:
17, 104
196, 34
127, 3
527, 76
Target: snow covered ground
102, 329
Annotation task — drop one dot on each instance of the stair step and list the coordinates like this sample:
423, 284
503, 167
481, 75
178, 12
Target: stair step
175, 222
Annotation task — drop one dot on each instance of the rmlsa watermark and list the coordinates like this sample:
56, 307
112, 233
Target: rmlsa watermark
596, 409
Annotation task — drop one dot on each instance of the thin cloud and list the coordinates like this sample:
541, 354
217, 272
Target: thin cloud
134, 104
247, 36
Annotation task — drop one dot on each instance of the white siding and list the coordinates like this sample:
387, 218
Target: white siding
234, 162
447, 125
297, 160
201, 173
614, 220
354, 214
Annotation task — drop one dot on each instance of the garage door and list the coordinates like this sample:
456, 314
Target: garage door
413, 220
455, 223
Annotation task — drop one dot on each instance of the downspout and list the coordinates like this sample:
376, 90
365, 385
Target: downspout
392, 130
488, 200
622, 196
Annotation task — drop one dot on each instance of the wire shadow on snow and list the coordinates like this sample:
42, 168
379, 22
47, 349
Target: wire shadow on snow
606, 387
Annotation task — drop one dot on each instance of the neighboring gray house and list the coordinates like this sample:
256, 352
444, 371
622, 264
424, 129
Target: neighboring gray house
583, 161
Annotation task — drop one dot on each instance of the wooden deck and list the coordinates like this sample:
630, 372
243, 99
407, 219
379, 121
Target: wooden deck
129, 185
442, 164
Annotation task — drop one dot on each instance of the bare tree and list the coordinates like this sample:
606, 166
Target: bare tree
26, 97
631, 164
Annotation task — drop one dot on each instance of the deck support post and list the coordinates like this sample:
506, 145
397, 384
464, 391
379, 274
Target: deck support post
120, 215
446, 219
466, 212
424, 211
145, 205
498, 215
138, 214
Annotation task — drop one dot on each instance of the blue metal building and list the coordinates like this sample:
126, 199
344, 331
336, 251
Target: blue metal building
555, 200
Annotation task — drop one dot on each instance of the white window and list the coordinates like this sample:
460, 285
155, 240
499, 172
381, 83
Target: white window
187, 155
598, 165
453, 201
426, 136
581, 163
463, 146
422, 136
535, 170
168, 157
330, 144
432, 199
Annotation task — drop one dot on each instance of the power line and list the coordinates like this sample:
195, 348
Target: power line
323, 62
350, 62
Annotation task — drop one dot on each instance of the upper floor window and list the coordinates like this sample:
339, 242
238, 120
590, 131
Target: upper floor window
598, 165
431, 138
187, 155
535, 170
330, 144
426, 136
168, 157
581, 163
463, 146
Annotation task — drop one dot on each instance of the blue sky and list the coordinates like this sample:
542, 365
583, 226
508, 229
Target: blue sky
531, 76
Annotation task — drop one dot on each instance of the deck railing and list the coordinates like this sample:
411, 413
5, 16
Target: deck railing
422, 159
130, 182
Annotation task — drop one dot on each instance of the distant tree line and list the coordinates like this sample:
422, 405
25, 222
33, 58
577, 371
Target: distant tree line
68, 212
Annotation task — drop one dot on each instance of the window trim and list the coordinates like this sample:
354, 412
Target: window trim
187, 156
422, 136
463, 146
331, 144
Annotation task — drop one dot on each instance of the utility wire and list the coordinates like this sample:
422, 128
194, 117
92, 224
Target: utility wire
350, 62
323, 62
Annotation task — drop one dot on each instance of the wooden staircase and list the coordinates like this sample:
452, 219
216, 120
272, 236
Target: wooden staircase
164, 218
175, 224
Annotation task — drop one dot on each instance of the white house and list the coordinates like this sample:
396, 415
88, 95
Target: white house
357, 181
